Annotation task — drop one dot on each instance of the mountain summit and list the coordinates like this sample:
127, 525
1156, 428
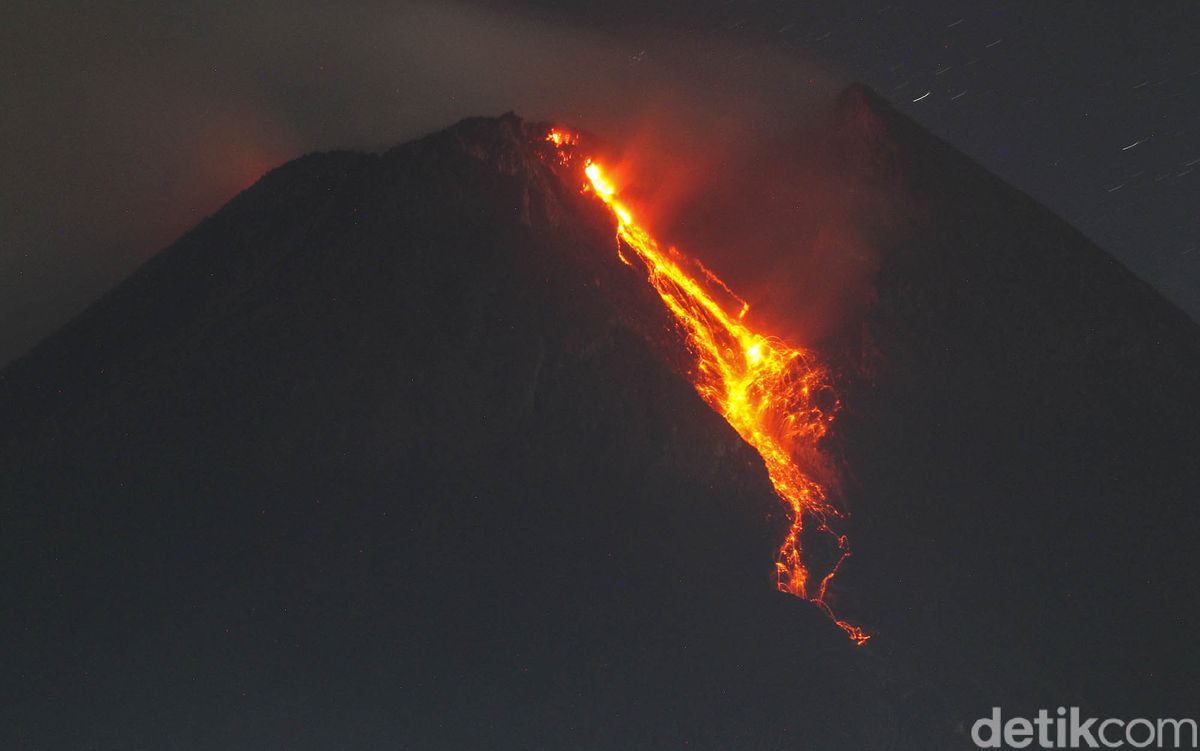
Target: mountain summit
394, 451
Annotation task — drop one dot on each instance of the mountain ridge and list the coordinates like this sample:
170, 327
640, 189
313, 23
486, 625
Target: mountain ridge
404, 425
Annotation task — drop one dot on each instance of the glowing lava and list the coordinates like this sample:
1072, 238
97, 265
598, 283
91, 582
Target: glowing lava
767, 390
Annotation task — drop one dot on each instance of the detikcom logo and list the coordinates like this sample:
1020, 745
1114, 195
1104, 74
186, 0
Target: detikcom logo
1065, 728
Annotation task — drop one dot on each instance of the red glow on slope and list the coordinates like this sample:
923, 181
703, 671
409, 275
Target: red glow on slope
766, 389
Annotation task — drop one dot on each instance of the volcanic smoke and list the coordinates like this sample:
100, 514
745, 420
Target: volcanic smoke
767, 390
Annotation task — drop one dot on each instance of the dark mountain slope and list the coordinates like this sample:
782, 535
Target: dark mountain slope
393, 452
1021, 428
380, 456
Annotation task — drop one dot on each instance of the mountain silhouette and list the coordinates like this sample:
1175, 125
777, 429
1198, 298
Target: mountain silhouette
394, 452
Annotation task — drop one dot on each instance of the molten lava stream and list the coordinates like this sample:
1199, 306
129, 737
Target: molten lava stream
764, 388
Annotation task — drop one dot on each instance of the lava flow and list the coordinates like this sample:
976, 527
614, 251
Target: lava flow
766, 390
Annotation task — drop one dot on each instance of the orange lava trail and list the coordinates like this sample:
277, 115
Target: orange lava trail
766, 389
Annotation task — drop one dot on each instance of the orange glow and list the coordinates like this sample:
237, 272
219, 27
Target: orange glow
763, 387
561, 138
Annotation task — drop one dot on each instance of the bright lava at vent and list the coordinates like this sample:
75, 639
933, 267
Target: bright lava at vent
766, 389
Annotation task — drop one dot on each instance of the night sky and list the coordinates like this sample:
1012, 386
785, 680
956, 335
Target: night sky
124, 125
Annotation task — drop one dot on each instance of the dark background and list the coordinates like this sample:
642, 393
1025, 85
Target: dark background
126, 123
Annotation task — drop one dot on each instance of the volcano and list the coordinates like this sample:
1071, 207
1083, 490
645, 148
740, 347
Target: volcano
400, 450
